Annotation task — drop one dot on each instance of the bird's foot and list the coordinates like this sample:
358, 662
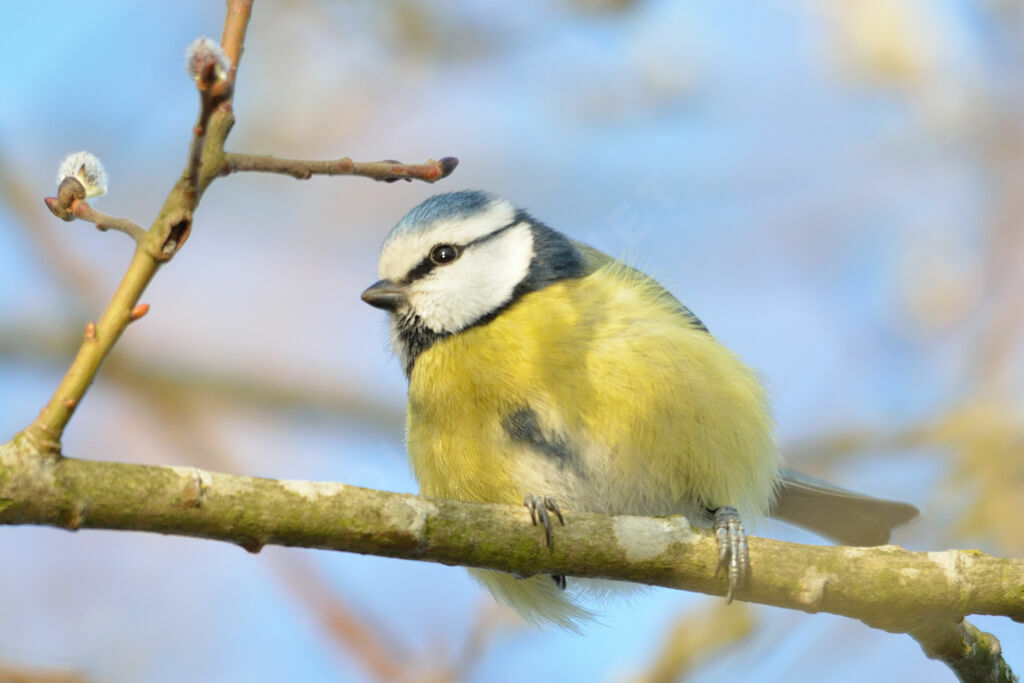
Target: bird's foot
732, 548
539, 506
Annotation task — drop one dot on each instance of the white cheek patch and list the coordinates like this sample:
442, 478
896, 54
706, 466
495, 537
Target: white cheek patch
456, 295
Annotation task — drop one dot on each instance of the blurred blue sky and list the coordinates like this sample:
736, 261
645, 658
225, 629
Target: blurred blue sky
799, 181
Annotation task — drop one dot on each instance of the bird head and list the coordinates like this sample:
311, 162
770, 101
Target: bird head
459, 259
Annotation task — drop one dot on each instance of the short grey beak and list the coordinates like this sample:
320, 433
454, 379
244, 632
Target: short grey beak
384, 294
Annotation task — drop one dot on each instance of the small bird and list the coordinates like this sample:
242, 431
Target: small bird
544, 372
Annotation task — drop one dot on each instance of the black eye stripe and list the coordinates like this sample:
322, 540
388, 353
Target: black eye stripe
490, 236
421, 270
424, 267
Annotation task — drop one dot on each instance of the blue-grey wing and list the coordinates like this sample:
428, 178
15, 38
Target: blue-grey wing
845, 516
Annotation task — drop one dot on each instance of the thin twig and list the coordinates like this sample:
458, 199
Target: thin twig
159, 244
387, 171
213, 93
232, 39
195, 148
215, 90
82, 210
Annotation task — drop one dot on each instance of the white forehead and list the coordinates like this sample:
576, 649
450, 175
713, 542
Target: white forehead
457, 218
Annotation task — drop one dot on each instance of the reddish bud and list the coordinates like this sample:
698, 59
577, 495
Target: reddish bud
54, 205
448, 165
139, 311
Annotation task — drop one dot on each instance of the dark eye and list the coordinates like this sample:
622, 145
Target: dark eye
444, 253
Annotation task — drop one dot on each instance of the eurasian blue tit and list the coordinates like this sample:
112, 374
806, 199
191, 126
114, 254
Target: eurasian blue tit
542, 371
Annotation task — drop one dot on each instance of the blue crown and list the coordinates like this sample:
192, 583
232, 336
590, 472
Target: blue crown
444, 206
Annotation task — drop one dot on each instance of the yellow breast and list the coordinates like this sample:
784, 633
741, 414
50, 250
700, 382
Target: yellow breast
654, 415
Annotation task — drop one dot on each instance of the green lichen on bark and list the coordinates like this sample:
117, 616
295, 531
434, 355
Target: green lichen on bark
888, 587
971, 653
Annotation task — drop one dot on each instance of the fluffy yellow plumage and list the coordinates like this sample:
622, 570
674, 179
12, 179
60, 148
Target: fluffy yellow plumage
659, 415
651, 400
539, 367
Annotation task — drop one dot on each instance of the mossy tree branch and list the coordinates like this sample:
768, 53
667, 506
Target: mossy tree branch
926, 595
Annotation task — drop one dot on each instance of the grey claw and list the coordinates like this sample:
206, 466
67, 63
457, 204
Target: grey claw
733, 554
539, 508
